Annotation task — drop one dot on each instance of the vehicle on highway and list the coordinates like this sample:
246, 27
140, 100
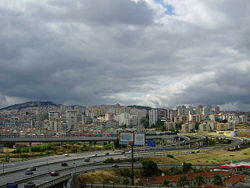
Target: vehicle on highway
128, 151
86, 159
123, 152
12, 185
66, 155
106, 153
32, 168
29, 172
54, 173
115, 166
29, 184
64, 164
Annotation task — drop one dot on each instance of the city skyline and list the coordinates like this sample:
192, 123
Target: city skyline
157, 53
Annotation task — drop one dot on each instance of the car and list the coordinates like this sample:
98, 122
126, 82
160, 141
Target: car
32, 168
54, 173
64, 164
29, 184
86, 159
106, 153
115, 166
29, 172
66, 155
123, 152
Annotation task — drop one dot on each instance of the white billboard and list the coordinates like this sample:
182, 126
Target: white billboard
139, 139
126, 138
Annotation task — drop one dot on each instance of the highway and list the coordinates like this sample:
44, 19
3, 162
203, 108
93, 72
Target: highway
15, 172
76, 163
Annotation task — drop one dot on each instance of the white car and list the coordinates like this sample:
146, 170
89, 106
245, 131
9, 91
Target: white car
66, 155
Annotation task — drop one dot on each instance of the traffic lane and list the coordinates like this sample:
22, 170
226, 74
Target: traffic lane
44, 160
48, 178
20, 175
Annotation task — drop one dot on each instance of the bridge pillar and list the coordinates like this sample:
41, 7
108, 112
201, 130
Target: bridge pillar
30, 144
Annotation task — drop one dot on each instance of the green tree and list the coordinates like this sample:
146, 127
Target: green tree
159, 123
170, 156
163, 128
183, 181
217, 180
178, 125
145, 121
125, 181
165, 183
116, 144
186, 167
196, 125
150, 168
199, 180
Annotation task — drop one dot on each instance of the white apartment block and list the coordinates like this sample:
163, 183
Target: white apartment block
156, 114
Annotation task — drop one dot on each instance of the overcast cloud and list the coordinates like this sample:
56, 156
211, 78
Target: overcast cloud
159, 53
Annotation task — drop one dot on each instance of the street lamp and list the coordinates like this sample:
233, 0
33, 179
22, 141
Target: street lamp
3, 167
75, 167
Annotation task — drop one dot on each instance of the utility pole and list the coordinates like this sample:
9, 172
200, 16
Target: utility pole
132, 157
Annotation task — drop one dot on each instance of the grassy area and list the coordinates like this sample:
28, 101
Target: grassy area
216, 157
22, 153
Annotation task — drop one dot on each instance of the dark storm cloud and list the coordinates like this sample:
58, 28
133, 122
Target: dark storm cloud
94, 52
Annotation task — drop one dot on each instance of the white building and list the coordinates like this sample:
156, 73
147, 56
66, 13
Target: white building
156, 114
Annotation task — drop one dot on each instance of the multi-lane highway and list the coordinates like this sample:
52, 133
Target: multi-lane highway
15, 172
76, 164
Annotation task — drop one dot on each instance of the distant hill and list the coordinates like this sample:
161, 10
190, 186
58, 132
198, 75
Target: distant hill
31, 104
141, 107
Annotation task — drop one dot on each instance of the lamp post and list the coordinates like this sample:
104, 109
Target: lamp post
3, 167
75, 165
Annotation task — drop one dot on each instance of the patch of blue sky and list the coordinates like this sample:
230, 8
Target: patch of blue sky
135, 95
169, 8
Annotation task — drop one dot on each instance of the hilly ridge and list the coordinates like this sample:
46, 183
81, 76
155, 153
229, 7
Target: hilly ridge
31, 104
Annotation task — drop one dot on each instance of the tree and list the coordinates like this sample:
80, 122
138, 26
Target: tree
116, 144
199, 180
183, 181
196, 125
165, 183
150, 168
186, 167
159, 123
145, 121
125, 181
178, 125
163, 128
217, 180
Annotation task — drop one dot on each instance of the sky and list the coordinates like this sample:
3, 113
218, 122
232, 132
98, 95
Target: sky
158, 53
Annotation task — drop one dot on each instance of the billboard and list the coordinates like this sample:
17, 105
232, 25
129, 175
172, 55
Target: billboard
131, 138
139, 139
126, 138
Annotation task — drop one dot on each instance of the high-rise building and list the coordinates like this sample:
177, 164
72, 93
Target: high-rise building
156, 114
